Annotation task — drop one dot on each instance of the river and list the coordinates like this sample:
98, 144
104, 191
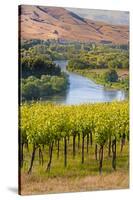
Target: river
84, 90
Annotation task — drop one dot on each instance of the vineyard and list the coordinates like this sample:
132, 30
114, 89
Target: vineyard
47, 129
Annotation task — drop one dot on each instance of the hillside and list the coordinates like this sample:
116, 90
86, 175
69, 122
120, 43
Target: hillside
37, 22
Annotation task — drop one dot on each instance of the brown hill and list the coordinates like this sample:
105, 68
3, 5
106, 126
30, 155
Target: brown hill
39, 22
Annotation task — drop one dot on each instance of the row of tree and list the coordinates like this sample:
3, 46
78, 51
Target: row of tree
34, 88
38, 65
65, 50
99, 60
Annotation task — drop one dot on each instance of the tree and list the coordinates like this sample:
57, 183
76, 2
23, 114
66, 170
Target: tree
77, 63
30, 91
110, 76
113, 64
125, 63
101, 62
37, 66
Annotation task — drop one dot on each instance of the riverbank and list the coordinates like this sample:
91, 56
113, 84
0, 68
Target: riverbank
96, 75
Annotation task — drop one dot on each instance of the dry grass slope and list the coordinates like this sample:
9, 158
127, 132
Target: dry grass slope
58, 23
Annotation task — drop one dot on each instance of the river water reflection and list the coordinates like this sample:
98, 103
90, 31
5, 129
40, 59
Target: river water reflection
83, 90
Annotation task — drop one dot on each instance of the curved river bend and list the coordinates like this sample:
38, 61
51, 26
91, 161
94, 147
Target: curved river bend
83, 90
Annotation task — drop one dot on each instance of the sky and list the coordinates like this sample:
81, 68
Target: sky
108, 16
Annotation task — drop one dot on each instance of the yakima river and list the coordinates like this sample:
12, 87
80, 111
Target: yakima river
84, 90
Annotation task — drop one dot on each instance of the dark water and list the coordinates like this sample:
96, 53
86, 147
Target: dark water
83, 90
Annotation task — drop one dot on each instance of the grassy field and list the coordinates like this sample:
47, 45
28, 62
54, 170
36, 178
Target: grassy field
76, 176
33, 185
